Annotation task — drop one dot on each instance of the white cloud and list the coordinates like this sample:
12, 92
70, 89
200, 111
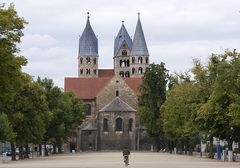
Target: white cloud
176, 31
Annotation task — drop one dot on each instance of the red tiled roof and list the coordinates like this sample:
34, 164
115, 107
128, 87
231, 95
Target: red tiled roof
88, 88
85, 88
134, 83
106, 72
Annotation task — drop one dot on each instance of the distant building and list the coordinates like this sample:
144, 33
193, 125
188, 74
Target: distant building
110, 95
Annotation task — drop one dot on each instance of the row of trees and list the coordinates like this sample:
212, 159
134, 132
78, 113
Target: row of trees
195, 106
34, 112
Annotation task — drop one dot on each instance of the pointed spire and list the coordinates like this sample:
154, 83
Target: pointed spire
139, 44
122, 36
88, 42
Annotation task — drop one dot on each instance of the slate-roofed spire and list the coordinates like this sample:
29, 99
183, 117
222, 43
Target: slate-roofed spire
121, 37
88, 42
139, 47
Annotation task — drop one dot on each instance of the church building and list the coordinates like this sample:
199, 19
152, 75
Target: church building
110, 95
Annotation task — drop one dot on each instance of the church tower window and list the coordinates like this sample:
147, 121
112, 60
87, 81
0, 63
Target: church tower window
94, 60
95, 71
88, 59
121, 74
133, 60
124, 53
119, 124
140, 70
133, 71
127, 63
88, 71
140, 60
117, 93
146, 60
127, 74
81, 60
81, 71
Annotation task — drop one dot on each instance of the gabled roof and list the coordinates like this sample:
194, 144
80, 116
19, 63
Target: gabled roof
85, 88
133, 83
122, 37
117, 104
88, 42
139, 44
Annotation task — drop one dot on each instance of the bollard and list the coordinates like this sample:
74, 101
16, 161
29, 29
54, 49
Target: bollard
230, 156
224, 155
175, 150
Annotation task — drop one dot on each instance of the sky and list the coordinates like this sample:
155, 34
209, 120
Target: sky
176, 31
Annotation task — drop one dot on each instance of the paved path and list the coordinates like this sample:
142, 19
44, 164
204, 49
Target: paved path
114, 160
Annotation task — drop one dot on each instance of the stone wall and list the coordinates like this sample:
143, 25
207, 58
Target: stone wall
116, 140
108, 93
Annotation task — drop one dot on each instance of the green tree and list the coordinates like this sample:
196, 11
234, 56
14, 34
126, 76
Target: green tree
152, 96
6, 130
179, 113
11, 26
29, 114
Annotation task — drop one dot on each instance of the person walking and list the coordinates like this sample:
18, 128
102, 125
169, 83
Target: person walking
126, 154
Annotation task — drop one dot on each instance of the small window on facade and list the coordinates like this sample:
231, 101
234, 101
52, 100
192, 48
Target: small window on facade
119, 124
127, 74
94, 60
130, 124
88, 109
95, 71
88, 71
140, 60
133, 71
88, 60
133, 60
81, 60
81, 71
127, 63
146, 60
140, 71
121, 74
117, 93
124, 53
120, 63
105, 125
90, 133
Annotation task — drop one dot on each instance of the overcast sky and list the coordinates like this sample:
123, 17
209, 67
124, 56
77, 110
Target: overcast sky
176, 31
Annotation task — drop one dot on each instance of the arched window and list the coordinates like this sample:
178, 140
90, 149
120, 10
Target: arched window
140, 71
124, 53
124, 63
117, 93
146, 60
133, 71
127, 63
88, 71
133, 60
81, 71
95, 71
81, 60
88, 60
120, 63
105, 125
88, 109
127, 74
121, 74
130, 124
140, 60
119, 124
94, 60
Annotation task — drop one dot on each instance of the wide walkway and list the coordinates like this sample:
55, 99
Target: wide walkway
114, 160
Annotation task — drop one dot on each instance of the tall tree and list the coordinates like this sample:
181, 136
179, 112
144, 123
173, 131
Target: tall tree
152, 96
6, 130
11, 26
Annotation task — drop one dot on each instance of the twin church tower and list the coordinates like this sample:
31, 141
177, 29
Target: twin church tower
131, 57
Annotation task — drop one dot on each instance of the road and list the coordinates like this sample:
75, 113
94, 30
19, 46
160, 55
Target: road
115, 160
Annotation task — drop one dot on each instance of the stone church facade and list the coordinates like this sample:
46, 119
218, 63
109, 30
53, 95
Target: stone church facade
110, 95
